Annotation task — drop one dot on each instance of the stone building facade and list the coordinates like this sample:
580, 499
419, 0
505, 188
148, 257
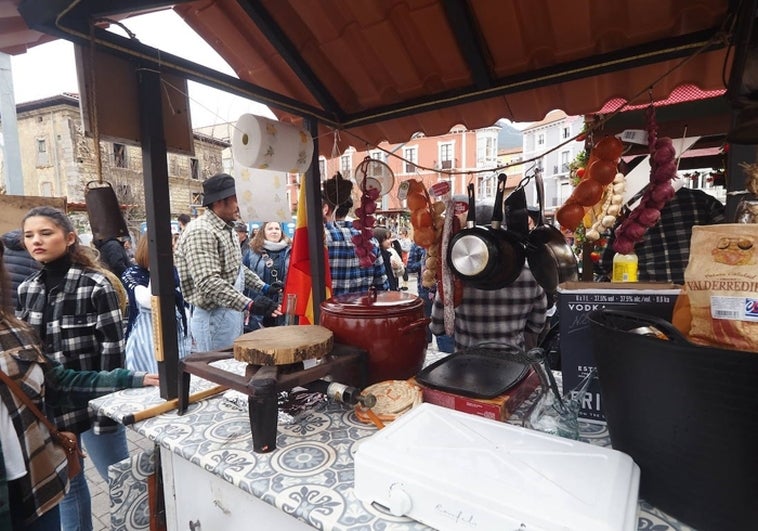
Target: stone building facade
58, 160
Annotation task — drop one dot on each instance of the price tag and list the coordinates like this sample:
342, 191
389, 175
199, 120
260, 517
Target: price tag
460, 208
439, 189
402, 190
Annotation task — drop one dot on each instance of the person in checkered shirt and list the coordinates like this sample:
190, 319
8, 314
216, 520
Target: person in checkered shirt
513, 316
347, 274
211, 273
74, 309
664, 252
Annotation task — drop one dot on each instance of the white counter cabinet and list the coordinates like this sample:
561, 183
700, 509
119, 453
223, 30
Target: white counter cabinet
196, 500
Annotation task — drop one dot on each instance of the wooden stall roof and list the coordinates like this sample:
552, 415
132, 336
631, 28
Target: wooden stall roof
385, 69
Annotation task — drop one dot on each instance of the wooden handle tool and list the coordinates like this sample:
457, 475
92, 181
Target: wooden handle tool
150, 412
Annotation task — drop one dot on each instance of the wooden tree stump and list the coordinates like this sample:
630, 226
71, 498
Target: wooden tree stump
282, 345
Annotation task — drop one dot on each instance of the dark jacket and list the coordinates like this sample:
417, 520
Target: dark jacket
18, 262
114, 256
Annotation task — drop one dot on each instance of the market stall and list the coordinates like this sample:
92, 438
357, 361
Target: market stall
382, 71
218, 481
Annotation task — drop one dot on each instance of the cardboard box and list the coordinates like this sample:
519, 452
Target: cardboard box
499, 408
576, 300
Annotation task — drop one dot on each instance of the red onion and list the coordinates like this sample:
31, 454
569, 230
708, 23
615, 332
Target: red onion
659, 192
664, 154
662, 192
623, 245
635, 231
649, 217
634, 215
665, 142
649, 202
664, 173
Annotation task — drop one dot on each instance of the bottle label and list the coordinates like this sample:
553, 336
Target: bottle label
624, 271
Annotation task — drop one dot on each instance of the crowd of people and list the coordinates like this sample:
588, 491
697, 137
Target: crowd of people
76, 323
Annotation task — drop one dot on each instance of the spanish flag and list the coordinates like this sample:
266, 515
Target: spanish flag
299, 281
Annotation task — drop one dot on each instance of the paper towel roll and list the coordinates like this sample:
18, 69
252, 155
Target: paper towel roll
266, 144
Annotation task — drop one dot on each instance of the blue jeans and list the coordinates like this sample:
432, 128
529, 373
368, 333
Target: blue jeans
104, 450
445, 343
214, 329
50, 521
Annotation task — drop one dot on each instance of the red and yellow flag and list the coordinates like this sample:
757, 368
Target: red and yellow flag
299, 280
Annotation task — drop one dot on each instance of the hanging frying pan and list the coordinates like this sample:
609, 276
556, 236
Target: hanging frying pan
516, 213
550, 257
471, 249
486, 258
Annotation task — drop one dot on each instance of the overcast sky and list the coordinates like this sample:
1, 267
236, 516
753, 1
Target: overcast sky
49, 69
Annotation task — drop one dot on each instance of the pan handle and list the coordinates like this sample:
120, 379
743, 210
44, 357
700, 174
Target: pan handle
540, 194
471, 217
415, 324
497, 208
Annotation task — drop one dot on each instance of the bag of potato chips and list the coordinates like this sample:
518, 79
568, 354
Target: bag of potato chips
721, 281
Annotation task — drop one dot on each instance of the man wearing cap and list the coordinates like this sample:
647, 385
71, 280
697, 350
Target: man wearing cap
242, 235
212, 278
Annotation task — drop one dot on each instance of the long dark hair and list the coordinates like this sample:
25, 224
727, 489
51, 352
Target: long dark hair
77, 254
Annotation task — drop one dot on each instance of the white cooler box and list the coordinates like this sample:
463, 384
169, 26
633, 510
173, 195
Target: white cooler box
452, 470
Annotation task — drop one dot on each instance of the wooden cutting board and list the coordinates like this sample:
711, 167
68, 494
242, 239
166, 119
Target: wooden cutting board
282, 345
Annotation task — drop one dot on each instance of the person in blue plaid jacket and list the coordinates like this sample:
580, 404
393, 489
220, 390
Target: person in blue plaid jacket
347, 274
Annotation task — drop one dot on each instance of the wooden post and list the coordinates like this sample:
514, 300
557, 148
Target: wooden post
160, 245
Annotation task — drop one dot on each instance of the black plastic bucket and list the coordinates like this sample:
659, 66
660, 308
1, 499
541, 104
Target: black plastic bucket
686, 414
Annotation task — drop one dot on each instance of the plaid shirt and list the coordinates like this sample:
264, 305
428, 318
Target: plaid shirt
45, 483
664, 252
209, 259
415, 264
347, 274
501, 315
81, 327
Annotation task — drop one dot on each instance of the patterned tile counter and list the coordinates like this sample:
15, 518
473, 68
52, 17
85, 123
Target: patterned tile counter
308, 477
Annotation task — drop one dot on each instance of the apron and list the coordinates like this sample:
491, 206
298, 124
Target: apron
216, 329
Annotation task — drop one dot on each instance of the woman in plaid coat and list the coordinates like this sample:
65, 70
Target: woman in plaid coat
33, 470
74, 309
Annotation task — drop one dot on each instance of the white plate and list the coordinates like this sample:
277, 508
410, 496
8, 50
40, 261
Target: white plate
377, 175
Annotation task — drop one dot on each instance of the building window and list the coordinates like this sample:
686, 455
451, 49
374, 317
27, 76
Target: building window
321, 168
565, 161
42, 157
411, 158
486, 150
346, 166
446, 156
378, 155
46, 189
378, 170
194, 169
119, 155
487, 187
566, 132
541, 139
196, 198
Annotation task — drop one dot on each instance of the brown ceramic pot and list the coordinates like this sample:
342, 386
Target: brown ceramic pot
390, 325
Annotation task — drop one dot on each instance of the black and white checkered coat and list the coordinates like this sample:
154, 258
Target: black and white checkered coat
81, 327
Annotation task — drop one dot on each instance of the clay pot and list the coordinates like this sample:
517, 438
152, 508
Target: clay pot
390, 325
